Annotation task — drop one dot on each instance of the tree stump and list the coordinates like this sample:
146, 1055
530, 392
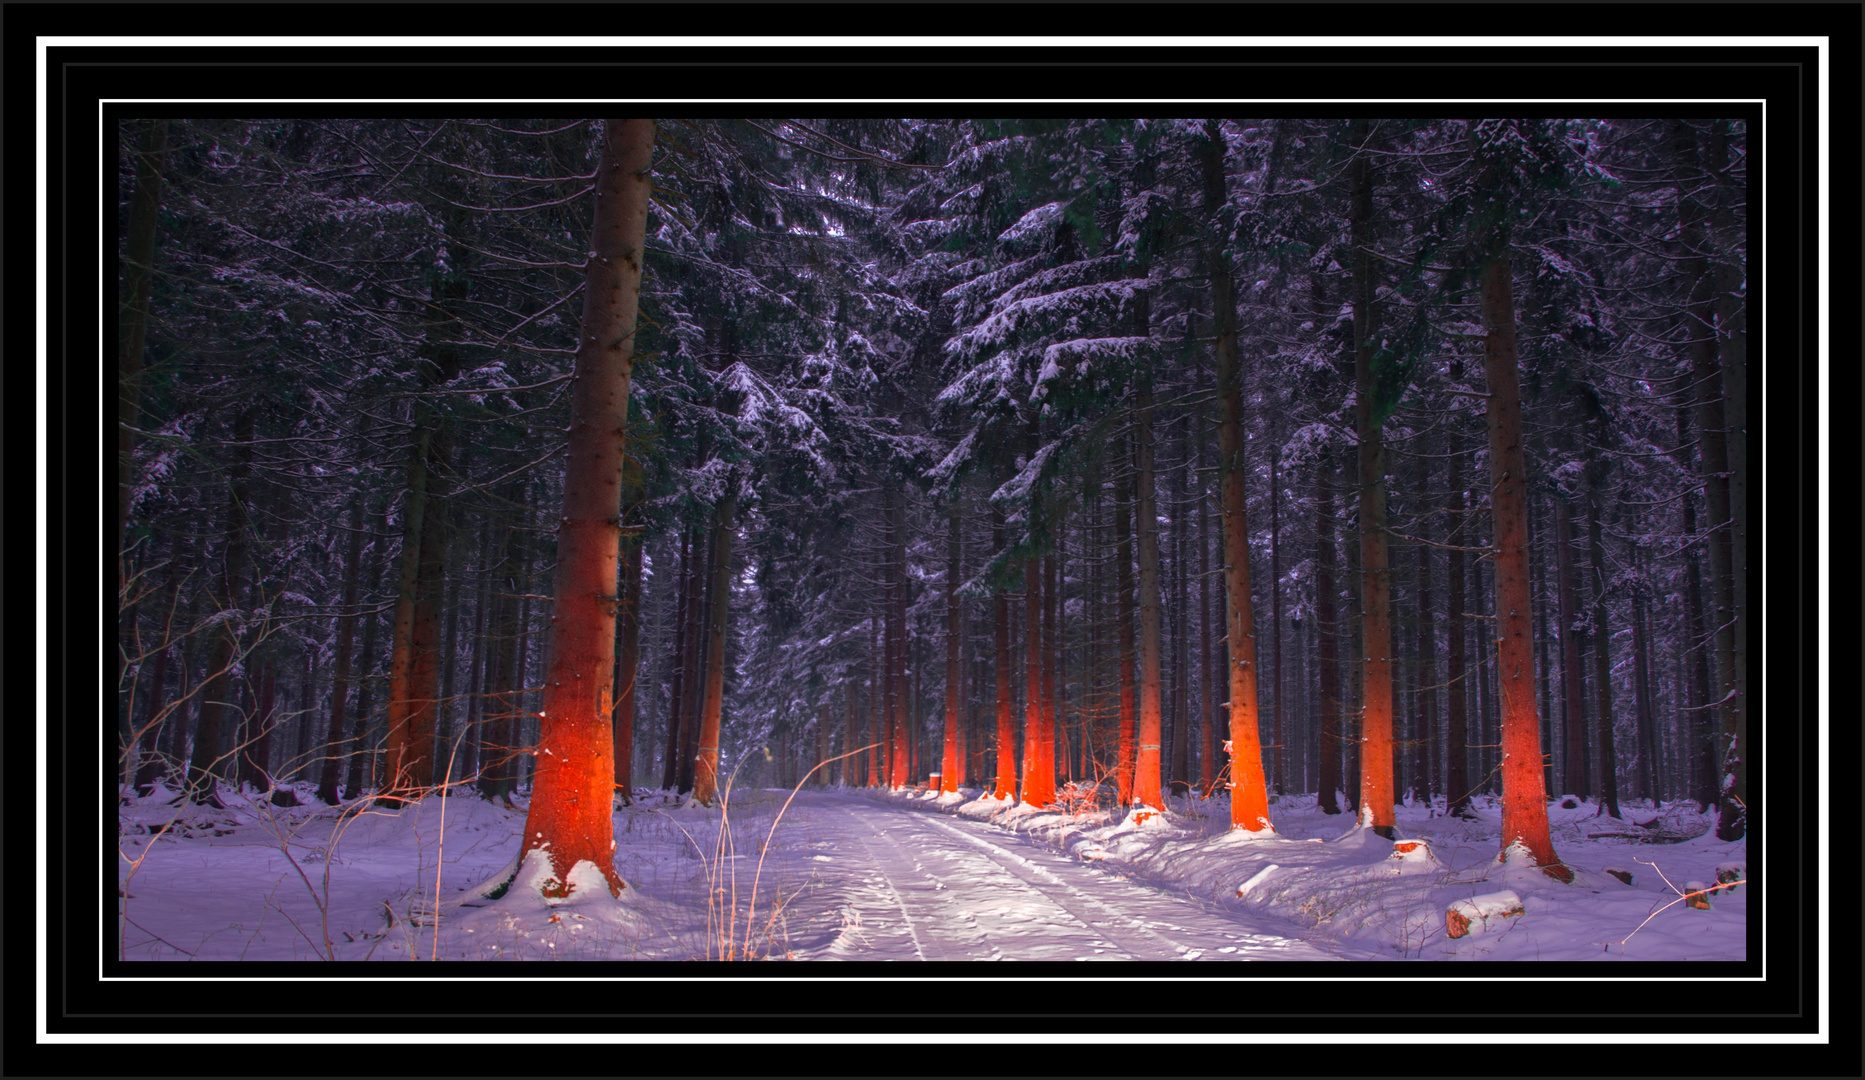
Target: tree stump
1696, 895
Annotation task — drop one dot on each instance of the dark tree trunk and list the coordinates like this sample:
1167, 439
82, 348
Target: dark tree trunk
133, 313
1573, 682
1607, 770
1456, 718
1327, 629
340, 683
209, 759
676, 705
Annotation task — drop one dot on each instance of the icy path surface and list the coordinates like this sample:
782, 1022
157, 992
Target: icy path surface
862, 879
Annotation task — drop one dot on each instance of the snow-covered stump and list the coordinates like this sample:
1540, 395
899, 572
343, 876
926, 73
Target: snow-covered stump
1413, 856
1729, 875
1481, 913
1697, 895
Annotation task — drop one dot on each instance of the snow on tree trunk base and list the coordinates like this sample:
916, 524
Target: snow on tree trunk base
1481, 913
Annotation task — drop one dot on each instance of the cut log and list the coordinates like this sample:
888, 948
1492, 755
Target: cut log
1480, 913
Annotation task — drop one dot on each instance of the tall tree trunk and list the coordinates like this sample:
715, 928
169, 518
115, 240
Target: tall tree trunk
569, 820
898, 719
1052, 665
1730, 275
1036, 791
1424, 733
706, 765
161, 715
1278, 737
1181, 622
1249, 796
627, 660
1607, 771
1123, 620
1573, 682
1376, 782
340, 685
133, 312
676, 705
1210, 619
952, 762
1006, 721
1697, 730
1146, 791
1649, 749
1327, 629
694, 664
1524, 798
208, 760
1456, 718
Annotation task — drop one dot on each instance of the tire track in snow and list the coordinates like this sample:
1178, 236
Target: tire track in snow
1113, 923
948, 924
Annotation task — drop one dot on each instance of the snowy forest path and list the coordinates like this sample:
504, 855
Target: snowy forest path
881, 882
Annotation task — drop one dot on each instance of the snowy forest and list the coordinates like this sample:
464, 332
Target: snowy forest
1209, 483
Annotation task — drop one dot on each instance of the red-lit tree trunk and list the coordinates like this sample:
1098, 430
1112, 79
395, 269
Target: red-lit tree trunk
1146, 789
899, 721
877, 727
1052, 666
1123, 619
706, 760
1036, 791
1249, 795
1376, 785
952, 764
1524, 798
569, 822
1006, 719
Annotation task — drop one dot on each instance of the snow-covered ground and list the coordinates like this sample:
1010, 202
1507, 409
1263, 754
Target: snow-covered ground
867, 876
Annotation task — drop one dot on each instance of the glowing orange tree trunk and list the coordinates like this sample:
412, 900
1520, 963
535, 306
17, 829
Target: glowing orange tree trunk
1033, 787
1524, 797
1249, 794
570, 819
1146, 756
951, 764
1376, 784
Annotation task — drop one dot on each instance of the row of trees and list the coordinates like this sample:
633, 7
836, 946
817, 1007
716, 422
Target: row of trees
1393, 460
